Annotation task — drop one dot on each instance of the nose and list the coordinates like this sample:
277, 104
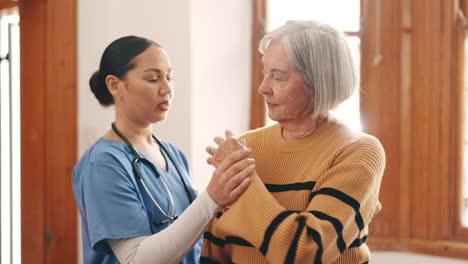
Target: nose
166, 87
265, 88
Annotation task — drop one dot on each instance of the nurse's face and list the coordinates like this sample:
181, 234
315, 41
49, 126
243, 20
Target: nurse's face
148, 88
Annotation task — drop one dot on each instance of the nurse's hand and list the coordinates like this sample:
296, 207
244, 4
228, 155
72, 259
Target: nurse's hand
231, 177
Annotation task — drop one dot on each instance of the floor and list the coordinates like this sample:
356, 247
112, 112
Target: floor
410, 258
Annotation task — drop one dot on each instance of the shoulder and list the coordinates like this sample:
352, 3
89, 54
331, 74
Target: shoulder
104, 152
259, 134
359, 147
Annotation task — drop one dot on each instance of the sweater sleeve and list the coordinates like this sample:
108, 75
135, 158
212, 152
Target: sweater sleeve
341, 206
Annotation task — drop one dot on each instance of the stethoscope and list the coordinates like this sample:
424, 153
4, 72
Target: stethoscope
138, 158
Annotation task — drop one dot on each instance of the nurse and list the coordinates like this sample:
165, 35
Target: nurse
134, 192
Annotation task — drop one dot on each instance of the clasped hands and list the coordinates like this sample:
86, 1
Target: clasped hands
233, 166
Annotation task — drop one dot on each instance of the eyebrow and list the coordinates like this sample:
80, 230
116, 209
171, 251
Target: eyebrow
156, 70
280, 71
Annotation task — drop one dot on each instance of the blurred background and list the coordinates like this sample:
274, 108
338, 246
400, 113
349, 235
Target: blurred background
413, 85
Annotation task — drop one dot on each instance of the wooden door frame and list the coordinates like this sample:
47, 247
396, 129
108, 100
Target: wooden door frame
48, 50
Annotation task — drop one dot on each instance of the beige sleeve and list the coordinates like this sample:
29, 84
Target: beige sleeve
171, 244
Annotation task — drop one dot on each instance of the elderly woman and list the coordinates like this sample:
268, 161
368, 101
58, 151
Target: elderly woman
316, 185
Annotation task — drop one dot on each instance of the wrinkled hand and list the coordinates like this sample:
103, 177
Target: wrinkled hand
225, 148
231, 177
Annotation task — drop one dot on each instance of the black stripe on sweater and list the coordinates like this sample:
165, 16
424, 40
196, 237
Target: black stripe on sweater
238, 241
358, 242
213, 239
293, 248
229, 240
318, 240
299, 186
336, 224
207, 260
344, 198
219, 214
271, 229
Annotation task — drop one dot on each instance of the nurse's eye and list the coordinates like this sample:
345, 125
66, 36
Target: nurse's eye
153, 80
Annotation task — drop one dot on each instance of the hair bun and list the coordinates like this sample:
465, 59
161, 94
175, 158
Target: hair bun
98, 86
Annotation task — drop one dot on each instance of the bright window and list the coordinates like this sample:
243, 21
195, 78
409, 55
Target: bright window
10, 184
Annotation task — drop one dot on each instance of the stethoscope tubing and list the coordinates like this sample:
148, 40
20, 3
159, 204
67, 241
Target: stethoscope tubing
139, 158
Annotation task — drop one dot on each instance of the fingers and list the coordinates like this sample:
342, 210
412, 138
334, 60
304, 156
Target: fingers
225, 187
211, 150
228, 134
240, 189
233, 158
212, 161
219, 140
235, 180
238, 167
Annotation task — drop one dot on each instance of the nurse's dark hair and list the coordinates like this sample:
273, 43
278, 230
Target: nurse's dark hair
117, 59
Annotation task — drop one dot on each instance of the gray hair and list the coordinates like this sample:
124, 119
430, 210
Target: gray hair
323, 57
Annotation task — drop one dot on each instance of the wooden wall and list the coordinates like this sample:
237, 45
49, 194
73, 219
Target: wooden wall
49, 130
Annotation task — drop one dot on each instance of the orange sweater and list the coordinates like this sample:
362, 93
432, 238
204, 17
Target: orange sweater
310, 200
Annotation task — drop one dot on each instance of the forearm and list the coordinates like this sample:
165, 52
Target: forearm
173, 243
295, 236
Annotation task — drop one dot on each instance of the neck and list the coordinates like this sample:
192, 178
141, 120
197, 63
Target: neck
297, 129
136, 133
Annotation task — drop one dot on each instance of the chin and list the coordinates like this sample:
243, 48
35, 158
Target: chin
160, 118
272, 117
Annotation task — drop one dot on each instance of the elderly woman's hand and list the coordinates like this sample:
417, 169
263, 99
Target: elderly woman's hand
225, 148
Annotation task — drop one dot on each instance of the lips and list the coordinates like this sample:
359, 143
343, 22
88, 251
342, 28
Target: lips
164, 106
270, 105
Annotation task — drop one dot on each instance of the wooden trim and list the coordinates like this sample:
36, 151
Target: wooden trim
438, 248
460, 232
463, 4
8, 5
384, 244
406, 120
257, 103
49, 130
380, 103
32, 75
432, 86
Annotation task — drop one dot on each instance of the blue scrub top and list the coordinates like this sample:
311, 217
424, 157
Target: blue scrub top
114, 204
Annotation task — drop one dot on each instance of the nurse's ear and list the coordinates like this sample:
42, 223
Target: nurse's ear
115, 87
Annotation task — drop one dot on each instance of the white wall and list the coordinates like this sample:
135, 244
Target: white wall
166, 22
209, 45
221, 70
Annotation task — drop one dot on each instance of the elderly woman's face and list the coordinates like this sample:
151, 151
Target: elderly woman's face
283, 86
